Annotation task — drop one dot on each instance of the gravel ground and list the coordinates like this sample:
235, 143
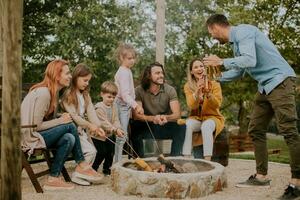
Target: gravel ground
238, 170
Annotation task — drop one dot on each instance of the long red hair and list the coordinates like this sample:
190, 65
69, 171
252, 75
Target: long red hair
51, 79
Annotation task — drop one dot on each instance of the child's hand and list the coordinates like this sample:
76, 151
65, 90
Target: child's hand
120, 132
100, 132
93, 128
139, 109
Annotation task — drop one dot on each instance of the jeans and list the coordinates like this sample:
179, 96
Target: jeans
124, 115
64, 139
170, 130
105, 151
281, 104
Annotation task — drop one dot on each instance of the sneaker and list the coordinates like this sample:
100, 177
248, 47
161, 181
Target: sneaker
79, 180
291, 192
254, 182
57, 183
88, 174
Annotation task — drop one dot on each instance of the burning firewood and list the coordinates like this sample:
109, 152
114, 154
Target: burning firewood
169, 164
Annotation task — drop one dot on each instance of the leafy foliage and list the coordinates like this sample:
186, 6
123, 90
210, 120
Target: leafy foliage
89, 31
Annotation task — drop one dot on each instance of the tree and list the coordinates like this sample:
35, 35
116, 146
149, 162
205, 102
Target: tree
89, 31
11, 46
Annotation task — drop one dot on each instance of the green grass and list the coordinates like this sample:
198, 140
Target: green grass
283, 157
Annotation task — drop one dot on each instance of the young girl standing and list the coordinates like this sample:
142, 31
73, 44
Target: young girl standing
78, 103
125, 99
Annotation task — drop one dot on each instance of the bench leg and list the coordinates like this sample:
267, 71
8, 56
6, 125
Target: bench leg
63, 171
31, 175
65, 174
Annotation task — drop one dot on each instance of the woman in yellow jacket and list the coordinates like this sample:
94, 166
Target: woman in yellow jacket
204, 103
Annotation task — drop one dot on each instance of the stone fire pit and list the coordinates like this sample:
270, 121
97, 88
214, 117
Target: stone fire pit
201, 178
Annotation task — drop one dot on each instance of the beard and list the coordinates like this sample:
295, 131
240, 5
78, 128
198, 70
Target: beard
158, 81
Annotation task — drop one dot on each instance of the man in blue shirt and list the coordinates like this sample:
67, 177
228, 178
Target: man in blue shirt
256, 55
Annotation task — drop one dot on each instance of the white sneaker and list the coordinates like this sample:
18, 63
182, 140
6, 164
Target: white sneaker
79, 181
99, 179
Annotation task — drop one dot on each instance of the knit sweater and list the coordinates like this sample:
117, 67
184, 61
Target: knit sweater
210, 108
109, 125
80, 121
33, 110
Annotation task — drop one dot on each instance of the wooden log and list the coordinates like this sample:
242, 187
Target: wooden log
169, 164
11, 39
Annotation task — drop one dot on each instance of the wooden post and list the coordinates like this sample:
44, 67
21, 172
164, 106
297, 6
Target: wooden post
160, 41
11, 39
160, 30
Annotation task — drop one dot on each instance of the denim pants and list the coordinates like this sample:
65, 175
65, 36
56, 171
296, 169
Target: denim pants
124, 116
170, 130
64, 139
281, 104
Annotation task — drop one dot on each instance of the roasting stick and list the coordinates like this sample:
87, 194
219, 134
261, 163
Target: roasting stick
152, 136
123, 149
140, 162
132, 149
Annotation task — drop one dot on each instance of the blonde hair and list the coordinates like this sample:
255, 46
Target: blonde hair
191, 79
109, 87
123, 50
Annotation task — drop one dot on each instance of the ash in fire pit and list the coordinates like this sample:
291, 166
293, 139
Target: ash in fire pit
194, 178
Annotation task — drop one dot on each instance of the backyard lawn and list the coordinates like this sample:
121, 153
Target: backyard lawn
273, 143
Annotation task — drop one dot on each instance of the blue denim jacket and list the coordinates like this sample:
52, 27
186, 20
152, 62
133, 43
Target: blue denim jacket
256, 55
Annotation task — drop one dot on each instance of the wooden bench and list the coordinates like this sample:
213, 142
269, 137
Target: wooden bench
27, 165
242, 143
220, 149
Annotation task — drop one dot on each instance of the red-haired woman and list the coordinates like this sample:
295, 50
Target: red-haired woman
39, 107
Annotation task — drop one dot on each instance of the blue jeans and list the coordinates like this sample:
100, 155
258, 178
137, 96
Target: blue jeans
64, 139
124, 115
171, 130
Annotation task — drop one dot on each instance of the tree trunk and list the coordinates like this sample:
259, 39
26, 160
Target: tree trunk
1, 67
242, 117
11, 29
